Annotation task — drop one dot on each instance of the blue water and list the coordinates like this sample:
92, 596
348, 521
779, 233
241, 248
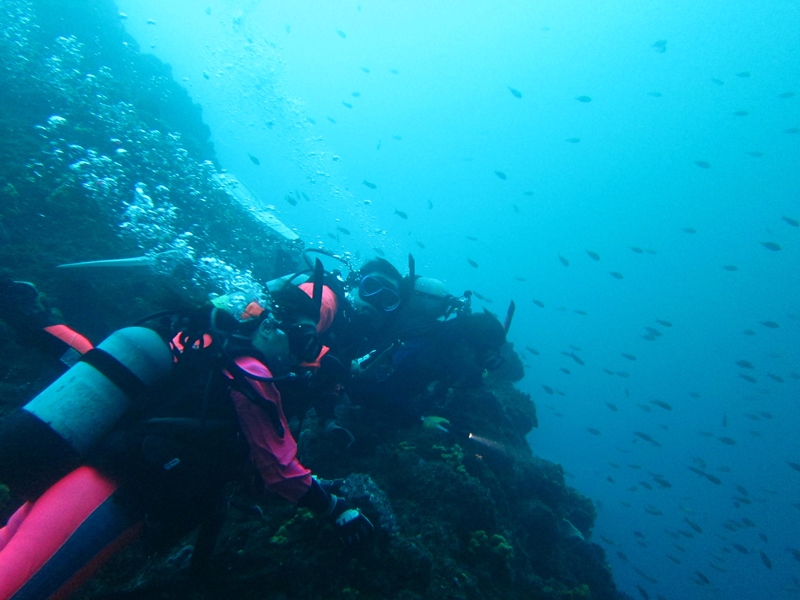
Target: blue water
688, 155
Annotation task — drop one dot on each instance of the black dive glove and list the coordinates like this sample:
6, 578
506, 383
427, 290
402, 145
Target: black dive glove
353, 526
21, 307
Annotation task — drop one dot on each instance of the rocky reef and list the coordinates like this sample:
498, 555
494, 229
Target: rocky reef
105, 156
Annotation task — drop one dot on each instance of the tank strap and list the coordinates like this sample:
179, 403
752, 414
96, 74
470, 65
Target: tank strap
119, 374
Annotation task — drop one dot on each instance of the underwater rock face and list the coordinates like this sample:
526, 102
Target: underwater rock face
95, 126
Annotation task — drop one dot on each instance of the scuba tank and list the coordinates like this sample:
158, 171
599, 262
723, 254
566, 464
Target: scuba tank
54, 432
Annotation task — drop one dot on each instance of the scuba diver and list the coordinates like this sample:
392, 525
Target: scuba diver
359, 311
143, 436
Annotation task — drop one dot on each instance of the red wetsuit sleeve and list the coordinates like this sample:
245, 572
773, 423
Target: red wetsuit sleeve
274, 457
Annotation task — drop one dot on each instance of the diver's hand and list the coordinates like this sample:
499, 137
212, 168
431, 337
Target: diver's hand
21, 306
375, 366
353, 526
439, 423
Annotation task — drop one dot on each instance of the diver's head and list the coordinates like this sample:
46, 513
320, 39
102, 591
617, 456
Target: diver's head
288, 335
378, 293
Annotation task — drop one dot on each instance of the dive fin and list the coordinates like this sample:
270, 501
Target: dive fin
161, 262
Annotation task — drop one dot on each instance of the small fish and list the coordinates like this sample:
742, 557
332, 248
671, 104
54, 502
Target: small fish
646, 438
770, 324
341, 34
400, 214
661, 481
574, 357
394, 71
333, 236
702, 577
593, 255
628, 356
741, 113
740, 548
786, 95
693, 525
583, 99
790, 221
573, 140
655, 94
369, 184
533, 351
379, 251
538, 303
661, 404
472, 263
253, 159
593, 431
563, 260
727, 441
578, 311
520, 278
547, 389
730, 268
421, 245
365, 69
347, 105
663, 322
755, 154
430, 204
637, 249
291, 200
612, 406
771, 246
501, 175
472, 238
717, 81
616, 274
743, 74
794, 465
765, 559
689, 230
343, 230
660, 46
331, 119
703, 164
515, 93
749, 378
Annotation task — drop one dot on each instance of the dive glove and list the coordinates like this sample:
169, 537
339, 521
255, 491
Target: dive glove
352, 524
